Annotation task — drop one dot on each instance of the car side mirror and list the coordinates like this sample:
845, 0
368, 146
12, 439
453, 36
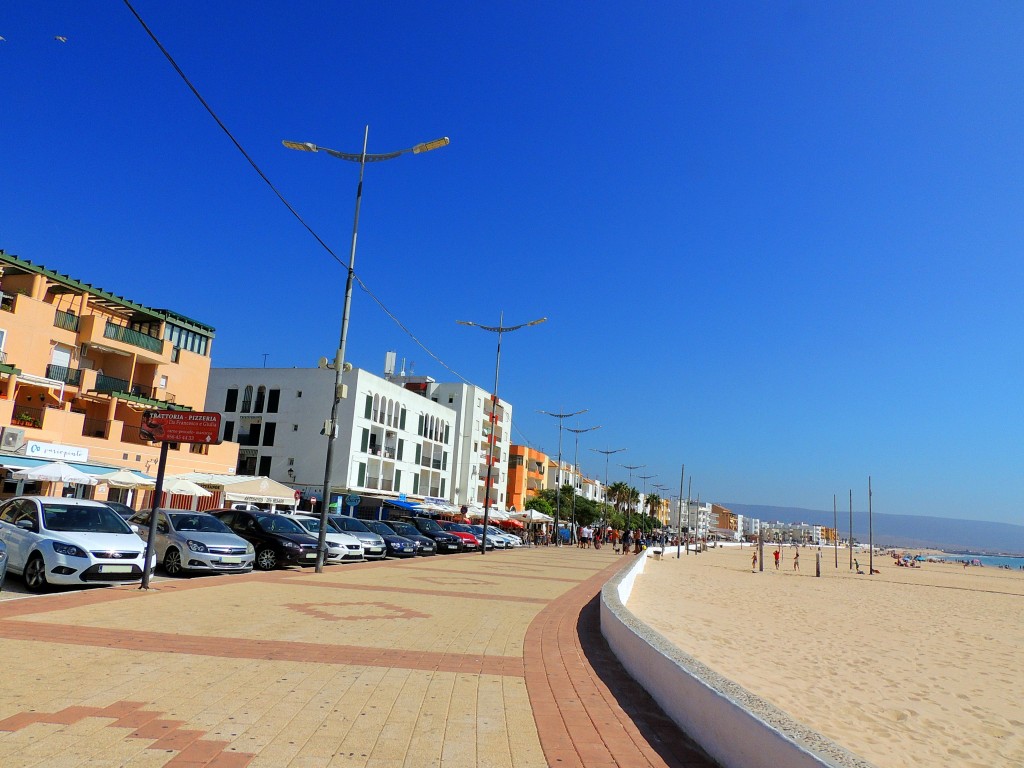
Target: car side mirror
26, 525
161, 527
135, 528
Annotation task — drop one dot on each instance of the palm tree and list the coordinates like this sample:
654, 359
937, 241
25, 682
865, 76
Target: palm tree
653, 503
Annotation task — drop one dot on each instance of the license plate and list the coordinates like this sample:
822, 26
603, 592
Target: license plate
311, 554
115, 569
231, 559
375, 549
453, 546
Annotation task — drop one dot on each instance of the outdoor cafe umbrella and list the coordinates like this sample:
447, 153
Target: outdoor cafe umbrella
180, 486
56, 472
532, 516
125, 478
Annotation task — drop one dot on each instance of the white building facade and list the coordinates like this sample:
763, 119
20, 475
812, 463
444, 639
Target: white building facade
391, 442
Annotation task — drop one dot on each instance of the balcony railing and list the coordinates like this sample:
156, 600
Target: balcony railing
96, 428
133, 337
71, 376
110, 384
131, 434
66, 320
24, 416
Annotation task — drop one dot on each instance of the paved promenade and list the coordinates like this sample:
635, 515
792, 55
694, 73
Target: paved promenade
446, 661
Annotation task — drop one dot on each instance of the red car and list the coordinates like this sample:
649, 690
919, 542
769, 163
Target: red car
469, 539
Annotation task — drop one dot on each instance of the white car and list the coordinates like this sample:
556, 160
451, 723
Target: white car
341, 547
51, 540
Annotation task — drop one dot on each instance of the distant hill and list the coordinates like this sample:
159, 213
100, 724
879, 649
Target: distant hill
909, 531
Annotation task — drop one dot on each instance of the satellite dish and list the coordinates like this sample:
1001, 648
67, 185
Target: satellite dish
321, 363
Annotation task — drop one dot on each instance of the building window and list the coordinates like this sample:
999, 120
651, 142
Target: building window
229, 430
261, 396
247, 400
163, 382
273, 398
295, 427
265, 466
231, 401
299, 393
451, 399
269, 430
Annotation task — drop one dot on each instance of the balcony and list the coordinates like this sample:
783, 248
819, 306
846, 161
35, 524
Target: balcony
130, 434
65, 320
24, 416
96, 428
135, 338
71, 376
109, 384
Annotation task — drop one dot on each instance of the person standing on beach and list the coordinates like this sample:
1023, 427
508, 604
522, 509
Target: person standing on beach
796, 559
753, 562
777, 556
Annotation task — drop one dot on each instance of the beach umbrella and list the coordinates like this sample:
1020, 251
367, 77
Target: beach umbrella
125, 478
56, 472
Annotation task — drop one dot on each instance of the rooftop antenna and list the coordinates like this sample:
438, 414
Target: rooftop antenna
403, 367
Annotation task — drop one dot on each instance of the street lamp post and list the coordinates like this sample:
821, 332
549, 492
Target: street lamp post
576, 470
606, 453
331, 427
630, 467
661, 491
558, 472
645, 478
499, 329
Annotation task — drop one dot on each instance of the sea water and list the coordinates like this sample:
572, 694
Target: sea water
989, 561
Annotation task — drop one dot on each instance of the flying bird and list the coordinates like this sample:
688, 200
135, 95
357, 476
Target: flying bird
60, 38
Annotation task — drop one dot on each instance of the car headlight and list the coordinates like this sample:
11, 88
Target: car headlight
3, 555
68, 549
249, 549
291, 544
196, 546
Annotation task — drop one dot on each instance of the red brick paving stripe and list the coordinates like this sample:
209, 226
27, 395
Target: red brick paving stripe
272, 650
579, 721
414, 591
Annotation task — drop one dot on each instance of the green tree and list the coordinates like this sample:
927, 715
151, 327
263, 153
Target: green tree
540, 505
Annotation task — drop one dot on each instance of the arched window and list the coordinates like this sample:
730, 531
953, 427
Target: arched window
247, 399
376, 407
261, 397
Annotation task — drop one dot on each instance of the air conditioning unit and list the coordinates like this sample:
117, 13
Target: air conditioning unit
12, 438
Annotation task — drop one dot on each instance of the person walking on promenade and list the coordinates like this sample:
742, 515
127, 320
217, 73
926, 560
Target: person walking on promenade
778, 555
638, 543
626, 541
796, 559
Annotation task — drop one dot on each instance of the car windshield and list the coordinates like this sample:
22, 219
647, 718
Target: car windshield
405, 529
349, 524
378, 527
279, 524
311, 524
75, 517
460, 527
198, 523
476, 528
428, 525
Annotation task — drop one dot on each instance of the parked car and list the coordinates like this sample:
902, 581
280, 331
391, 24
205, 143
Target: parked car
341, 547
122, 509
502, 540
447, 543
373, 545
493, 541
425, 545
469, 539
195, 542
51, 540
277, 539
397, 546
3, 564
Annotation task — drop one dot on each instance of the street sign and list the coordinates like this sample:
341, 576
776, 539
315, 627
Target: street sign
352, 500
180, 427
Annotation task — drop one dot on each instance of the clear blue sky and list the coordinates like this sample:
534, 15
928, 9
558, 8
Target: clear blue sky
779, 242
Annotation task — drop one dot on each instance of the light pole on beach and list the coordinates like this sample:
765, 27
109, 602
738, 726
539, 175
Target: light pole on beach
576, 473
630, 467
558, 472
331, 427
645, 478
498, 329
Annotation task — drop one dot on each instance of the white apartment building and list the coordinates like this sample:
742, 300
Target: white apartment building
471, 436
391, 441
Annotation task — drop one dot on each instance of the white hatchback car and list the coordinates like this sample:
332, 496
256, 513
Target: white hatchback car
51, 540
341, 547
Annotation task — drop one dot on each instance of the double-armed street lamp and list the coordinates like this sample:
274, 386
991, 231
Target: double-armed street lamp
645, 478
576, 470
661, 491
499, 329
331, 426
558, 473
607, 453
630, 467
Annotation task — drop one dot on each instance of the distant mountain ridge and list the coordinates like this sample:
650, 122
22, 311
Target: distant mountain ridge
948, 534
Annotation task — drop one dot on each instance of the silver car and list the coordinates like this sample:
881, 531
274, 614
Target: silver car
341, 547
3, 563
195, 542
373, 543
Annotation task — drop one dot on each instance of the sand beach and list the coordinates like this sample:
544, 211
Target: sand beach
911, 666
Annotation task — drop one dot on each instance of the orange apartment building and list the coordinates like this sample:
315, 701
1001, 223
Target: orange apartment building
527, 472
79, 365
723, 522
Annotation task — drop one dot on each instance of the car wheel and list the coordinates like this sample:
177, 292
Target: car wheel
172, 562
266, 559
35, 574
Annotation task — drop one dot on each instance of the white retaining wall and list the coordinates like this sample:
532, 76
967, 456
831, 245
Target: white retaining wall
735, 727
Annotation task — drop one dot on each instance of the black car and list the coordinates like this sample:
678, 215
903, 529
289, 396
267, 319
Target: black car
122, 509
447, 543
398, 546
425, 544
278, 539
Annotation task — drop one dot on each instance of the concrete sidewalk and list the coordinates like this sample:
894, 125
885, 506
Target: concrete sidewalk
447, 661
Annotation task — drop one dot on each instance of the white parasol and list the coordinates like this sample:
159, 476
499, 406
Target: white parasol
125, 478
56, 472
180, 486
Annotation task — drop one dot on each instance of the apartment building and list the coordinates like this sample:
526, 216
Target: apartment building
526, 475
79, 365
391, 442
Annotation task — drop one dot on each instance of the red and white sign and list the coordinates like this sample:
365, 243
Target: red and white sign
180, 427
